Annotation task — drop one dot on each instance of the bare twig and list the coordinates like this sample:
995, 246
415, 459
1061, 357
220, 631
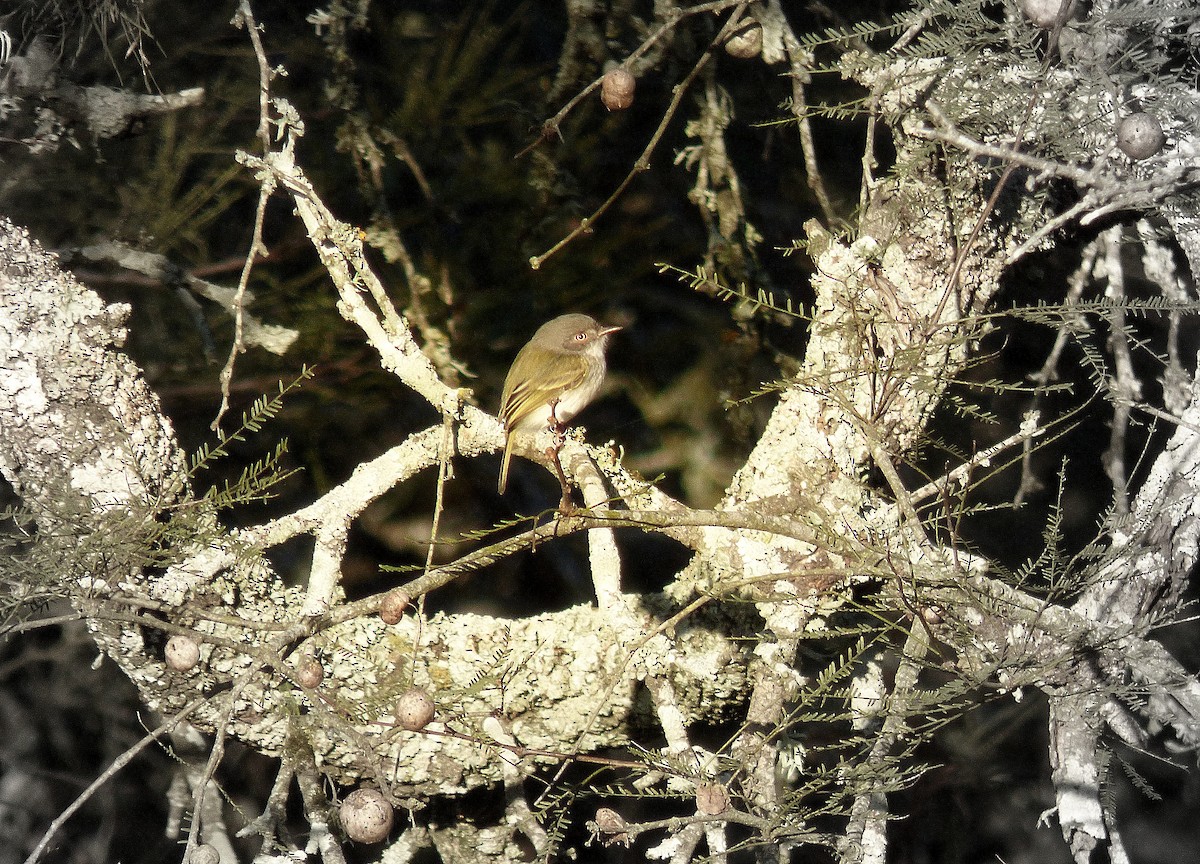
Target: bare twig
200, 791
517, 810
642, 163
1029, 483
1030, 430
550, 128
274, 811
1010, 166
258, 248
111, 771
798, 61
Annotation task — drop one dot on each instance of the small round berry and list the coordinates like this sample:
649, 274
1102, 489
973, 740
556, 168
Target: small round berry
1140, 136
711, 799
182, 653
1044, 13
392, 606
205, 854
616, 89
611, 824
746, 42
366, 816
310, 673
414, 709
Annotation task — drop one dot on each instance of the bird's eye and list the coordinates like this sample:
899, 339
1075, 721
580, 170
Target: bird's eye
580, 336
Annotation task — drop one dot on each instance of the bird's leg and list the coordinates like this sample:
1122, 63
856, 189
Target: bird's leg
558, 427
565, 504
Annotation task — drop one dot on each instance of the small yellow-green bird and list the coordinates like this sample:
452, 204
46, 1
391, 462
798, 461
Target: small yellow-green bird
553, 378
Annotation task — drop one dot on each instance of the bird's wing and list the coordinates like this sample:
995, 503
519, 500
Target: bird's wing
522, 394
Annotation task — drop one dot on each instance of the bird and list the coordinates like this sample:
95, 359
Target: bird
554, 376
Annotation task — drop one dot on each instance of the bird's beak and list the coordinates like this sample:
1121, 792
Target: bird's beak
608, 331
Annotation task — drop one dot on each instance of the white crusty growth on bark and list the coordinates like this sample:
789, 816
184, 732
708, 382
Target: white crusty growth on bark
79, 422
80, 426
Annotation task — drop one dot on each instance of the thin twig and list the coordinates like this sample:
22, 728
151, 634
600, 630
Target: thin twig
643, 161
800, 77
869, 162
110, 772
673, 524
318, 810
1029, 482
866, 829
1030, 430
25, 626
214, 757
947, 132
258, 248
550, 128
274, 811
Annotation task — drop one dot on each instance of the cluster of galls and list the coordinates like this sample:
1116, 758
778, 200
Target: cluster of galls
366, 814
